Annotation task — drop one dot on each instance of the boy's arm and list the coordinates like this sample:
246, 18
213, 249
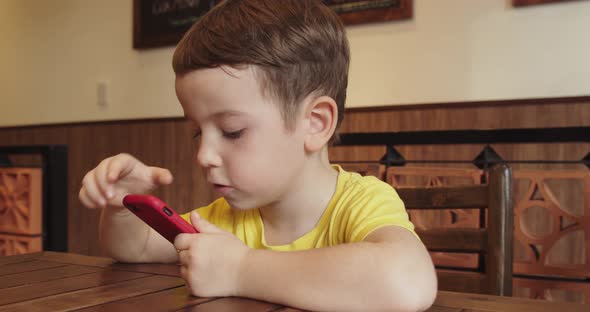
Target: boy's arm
122, 235
126, 238
389, 270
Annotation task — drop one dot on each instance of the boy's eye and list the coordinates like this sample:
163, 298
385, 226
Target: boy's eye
197, 134
233, 135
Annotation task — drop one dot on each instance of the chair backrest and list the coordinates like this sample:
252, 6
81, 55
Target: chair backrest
494, 242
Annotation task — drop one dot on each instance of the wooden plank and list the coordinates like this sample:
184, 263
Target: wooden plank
153, 268
168, 300
32, 277
502, 303
461, 281
465, 197
64, 285
20, 258
454, 240
436, 308
76, 259
570, 271
98, 295
234, 304
500, 232
27, 266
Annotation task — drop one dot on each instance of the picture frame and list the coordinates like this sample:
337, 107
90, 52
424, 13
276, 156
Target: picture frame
520, 3
353, 12
159, 23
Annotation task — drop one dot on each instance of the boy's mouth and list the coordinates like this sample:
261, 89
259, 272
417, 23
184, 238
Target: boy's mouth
222, 189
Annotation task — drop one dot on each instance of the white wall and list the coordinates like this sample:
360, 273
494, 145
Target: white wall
53, 54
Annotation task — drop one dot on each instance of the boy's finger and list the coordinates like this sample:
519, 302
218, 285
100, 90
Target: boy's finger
119, 166
202, 225
101, 181
85, 199
161, 176
92, 193
183, 256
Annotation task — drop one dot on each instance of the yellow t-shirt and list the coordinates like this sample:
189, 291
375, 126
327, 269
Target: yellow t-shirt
359, 206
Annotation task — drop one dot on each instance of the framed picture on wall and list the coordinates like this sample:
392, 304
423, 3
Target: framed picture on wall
158, 23
358, 11
534, 2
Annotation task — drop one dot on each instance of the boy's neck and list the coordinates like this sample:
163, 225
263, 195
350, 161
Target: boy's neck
301, 208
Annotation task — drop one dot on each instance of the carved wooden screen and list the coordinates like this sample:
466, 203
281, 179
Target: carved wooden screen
20, 210
552, 234
552, 225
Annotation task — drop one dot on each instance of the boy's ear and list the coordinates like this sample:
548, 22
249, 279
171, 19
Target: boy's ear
321, 115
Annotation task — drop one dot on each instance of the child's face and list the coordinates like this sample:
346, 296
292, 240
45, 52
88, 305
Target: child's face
242, 144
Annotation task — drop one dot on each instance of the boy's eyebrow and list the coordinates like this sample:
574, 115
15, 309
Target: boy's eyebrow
221, 114
227, 113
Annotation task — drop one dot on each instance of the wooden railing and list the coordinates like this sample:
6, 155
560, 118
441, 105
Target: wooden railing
552, 206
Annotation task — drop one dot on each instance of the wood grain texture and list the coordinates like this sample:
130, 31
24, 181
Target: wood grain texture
37, 276
20, 258
167, 143
461, 281
477, 302
233, 304
65, 285
500, 227
454, 240
173, 299
127, 291
27, 266
72, 258
495, 241
470, 197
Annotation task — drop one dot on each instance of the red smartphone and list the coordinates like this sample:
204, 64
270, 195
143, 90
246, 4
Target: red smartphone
157, 215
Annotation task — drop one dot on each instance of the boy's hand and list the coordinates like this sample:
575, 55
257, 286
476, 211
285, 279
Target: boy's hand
211, 260
118, 176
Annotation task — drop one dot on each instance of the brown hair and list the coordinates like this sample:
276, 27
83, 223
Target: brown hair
298, 47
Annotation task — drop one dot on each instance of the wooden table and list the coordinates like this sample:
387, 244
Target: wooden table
51, 281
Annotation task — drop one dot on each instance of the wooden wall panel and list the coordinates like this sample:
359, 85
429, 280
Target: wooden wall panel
167, 143
164, 143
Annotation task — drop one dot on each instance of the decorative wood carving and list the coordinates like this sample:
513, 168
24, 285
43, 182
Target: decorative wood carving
20, 201
553, 290
557, 243
552, 230
21, 214
19, 244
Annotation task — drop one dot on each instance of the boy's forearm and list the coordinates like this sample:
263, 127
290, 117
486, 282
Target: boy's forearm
360, 276
122, 235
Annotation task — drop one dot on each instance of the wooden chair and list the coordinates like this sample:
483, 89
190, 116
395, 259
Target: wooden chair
494, 243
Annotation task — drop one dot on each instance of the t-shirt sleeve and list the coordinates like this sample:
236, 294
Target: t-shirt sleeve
376, 206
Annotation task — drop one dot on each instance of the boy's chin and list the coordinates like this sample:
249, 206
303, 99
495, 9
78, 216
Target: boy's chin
241, 205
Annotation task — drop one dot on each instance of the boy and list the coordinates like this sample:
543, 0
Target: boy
263, 83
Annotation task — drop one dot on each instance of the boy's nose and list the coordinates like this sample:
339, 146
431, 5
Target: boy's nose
207, 156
